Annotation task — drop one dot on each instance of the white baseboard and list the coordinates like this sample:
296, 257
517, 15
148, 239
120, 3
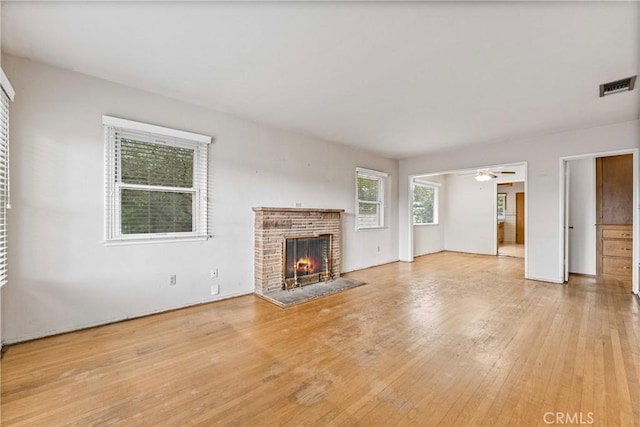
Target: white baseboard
369, 266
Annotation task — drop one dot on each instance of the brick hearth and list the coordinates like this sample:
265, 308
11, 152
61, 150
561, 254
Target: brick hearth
273, 225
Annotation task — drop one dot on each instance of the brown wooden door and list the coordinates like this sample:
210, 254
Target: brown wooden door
519, 217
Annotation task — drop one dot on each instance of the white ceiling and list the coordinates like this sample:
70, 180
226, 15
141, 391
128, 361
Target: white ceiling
398, 78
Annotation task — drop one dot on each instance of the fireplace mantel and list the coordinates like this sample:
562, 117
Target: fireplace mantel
271, 209
274, 224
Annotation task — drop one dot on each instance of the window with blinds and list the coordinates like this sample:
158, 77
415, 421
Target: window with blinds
4, 183
370, 187
156, 182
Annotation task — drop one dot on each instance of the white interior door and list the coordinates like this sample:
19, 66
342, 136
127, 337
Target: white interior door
567, 204
582, 216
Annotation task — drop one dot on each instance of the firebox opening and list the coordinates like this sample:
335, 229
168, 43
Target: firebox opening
307, 260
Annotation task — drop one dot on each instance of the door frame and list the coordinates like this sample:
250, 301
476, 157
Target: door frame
563, 201
566, 204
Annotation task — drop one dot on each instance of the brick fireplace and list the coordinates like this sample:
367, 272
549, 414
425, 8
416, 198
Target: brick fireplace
278, 228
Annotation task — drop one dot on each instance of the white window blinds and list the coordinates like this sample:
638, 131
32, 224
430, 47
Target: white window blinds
156, 184
4, 181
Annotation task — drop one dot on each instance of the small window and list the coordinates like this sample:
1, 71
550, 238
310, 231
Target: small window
370, 198
502, 205
425, 203
156, 181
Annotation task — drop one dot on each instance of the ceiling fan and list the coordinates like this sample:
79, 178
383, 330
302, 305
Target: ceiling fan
483, 175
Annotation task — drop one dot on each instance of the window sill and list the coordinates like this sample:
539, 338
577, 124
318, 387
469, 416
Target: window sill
432, 223
127, 242
371, 228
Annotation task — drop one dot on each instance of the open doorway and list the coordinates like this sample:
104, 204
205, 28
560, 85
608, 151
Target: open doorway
600, 216
510, 202
456, 211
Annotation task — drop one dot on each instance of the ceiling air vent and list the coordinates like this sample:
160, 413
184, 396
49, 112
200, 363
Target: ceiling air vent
617, 86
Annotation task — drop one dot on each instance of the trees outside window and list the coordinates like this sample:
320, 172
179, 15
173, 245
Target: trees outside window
425, 204
156, 183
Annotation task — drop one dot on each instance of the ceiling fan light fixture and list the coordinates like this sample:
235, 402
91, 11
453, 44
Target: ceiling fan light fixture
483, 176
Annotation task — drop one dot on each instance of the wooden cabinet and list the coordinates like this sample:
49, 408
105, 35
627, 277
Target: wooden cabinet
614, 214
501, 232
615, 251
616, 248
623, 232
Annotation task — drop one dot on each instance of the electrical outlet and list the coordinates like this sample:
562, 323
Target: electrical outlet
378, 248
214, 273
172, 280
215, 289
298, 205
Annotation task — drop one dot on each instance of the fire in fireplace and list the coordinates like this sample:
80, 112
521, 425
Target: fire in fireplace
307, 260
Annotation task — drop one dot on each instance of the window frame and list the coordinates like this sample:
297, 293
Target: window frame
436, 201
502, 217
381, 177
114, 186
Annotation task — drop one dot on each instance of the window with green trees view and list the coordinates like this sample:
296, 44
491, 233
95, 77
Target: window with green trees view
425, 204
370, 198
156, 185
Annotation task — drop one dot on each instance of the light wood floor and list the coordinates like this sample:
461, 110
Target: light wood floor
452, 339
511, 249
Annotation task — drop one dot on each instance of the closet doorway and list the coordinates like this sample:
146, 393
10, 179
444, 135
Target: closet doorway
599, 223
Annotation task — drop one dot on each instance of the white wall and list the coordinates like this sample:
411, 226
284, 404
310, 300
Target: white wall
1, 336
1, 340
510, 212
542, 154
582, 216
471, 213
64, 278
470, 222
429, 238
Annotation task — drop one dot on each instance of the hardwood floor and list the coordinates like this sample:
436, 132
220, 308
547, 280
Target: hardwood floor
452, 339
511, 249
